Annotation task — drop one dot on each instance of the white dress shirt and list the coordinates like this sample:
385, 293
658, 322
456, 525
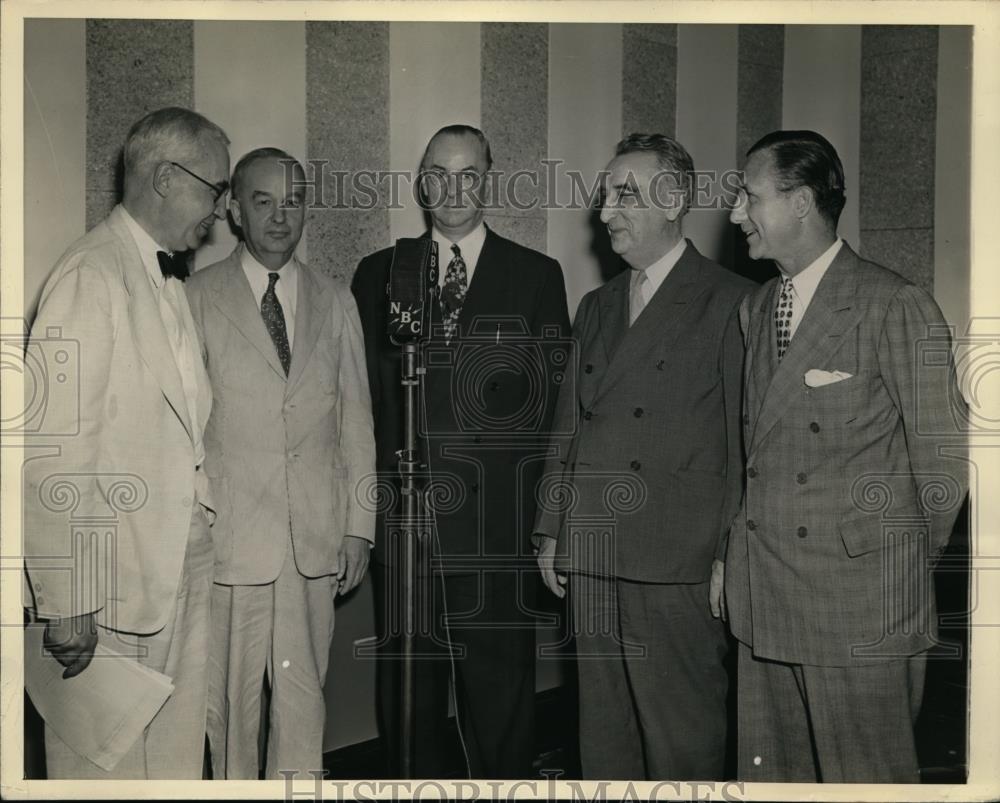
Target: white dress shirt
805, 282
659, 270
183, 343
286, 289
471, 246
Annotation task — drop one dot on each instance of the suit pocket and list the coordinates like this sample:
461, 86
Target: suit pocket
861, 534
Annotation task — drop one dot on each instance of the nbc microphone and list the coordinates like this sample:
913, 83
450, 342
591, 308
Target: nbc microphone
413, 276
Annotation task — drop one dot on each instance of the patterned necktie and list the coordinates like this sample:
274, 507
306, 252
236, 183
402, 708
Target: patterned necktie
783, 317
456, 283
175, 264
636, 300
274, 320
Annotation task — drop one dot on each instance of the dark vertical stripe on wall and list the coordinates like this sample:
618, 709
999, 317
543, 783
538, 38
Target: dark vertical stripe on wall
898, 130
133, 67
649, 79
515, 102
347, 131
760, 66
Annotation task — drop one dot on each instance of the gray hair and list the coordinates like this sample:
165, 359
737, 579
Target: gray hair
256, 155
169, 134
672, 157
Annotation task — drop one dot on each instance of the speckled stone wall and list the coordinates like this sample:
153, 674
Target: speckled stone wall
347, 126
760, 64
133, 68
760, 68
649, 79
898, 115
514, 90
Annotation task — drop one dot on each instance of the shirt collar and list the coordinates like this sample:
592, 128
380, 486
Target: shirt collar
250, 263
658, 271
147, 249
470, 245
807, 280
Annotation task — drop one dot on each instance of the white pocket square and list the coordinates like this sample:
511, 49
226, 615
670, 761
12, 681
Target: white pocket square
815, 378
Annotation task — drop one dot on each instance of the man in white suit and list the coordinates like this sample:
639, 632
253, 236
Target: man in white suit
136, 446
289, 448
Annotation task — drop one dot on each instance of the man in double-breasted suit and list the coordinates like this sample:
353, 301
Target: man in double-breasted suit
854, 477
136, 577
654, 474
289, 451
487, 401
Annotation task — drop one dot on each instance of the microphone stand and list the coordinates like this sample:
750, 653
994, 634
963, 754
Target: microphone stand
413, 517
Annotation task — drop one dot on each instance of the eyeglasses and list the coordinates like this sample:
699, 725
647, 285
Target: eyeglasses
218, 190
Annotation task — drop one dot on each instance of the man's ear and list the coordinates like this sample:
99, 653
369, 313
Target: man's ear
803, 202
162, 176
236, 212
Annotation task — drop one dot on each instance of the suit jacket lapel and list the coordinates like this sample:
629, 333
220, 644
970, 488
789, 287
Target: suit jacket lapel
147, 325
234, 299
489, 280
313, 305
660, 322
762, 354
831, 313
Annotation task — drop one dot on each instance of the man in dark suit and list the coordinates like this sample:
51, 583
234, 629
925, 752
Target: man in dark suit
656, 462
854, 477
487, 404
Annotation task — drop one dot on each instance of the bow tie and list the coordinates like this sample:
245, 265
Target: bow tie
175, 264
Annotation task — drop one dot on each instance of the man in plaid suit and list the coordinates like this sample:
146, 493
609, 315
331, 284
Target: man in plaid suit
855, 472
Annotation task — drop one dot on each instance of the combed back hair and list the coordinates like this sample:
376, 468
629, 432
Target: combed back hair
172, 134
459, 130
807, 159
672, 157
255, 156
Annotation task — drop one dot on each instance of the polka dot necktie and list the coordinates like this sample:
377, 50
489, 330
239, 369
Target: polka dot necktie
783, 317
456, 283
274, 320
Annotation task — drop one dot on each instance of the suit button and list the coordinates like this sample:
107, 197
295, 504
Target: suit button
588, 368
802, 532
801, 479
751, 472
637, 412
588, 415
636, 465
475, 487
814, 426
751, 524
186, 501
659, 365
39, 600
38, 586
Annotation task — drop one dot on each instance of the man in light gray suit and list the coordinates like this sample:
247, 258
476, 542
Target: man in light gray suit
289, 448
855, 472
655, 408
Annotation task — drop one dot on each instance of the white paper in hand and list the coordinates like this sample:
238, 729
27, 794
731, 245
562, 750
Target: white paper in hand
102, 711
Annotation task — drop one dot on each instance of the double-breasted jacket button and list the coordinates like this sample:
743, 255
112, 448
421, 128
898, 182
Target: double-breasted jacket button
802, 532
751, 524
751, 472
637, 412
636, 465
801, 478
588, 368
814, 427
588, 415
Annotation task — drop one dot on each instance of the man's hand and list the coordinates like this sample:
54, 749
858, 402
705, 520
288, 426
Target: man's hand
546, 555
72, 642
353, 561
717, 590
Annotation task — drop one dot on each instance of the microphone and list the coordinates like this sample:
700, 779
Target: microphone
413, 275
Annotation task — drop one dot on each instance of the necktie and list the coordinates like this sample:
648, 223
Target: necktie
783, 317
636, 299
456, 283
173, 264
274, 320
